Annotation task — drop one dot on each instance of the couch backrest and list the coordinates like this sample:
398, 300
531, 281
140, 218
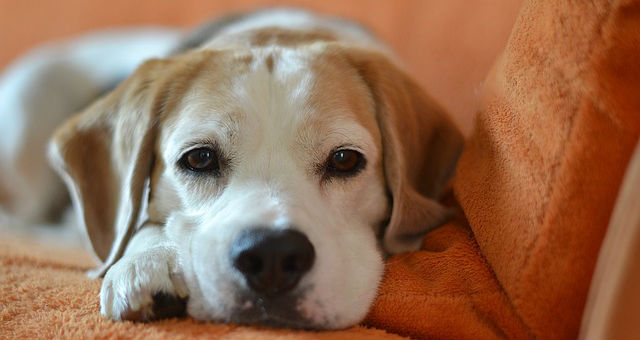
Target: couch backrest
541, 171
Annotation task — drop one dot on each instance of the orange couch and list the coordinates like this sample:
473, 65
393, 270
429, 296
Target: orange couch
557, 122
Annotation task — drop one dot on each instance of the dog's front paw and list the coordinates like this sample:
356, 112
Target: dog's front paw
144, 286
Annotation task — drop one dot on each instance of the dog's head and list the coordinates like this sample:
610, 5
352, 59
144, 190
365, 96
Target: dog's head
283, 176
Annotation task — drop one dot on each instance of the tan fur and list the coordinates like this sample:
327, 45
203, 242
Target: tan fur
106, 154
421, 145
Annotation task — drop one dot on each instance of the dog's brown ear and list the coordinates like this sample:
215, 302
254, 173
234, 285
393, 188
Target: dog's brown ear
420, 148
105, 155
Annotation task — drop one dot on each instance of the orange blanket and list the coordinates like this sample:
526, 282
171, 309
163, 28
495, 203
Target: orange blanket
45, 294
445, 291
541, 172
536, 186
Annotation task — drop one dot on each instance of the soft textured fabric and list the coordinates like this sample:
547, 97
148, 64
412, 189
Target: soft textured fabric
44, 293
541, 172
445, 291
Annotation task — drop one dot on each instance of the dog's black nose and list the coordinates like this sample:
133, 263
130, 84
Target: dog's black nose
272, 261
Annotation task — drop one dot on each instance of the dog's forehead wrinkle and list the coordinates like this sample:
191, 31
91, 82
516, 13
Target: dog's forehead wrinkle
275, 104
275, 92
270, 103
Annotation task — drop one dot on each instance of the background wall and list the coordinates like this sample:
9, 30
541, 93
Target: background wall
448, 45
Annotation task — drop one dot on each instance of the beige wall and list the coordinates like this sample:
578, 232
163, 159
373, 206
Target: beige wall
448, 45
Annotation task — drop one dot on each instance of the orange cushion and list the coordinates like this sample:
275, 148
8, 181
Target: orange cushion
541, 172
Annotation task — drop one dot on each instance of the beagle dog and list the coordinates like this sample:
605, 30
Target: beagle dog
259, 174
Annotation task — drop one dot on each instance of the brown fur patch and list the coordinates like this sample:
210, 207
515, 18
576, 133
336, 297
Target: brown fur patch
419, 143
269, 62
331, 68
80, 150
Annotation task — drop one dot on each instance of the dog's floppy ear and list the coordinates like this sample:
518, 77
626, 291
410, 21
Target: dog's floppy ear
105, 155
420, 148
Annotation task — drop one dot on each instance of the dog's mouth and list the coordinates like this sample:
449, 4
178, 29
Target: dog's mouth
276, 312
279, 312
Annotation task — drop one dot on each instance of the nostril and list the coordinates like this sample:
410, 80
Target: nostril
298, 262
249, 263
291, 263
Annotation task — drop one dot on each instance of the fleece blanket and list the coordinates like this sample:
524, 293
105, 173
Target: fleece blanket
541, 172
45, 294
559, 117
443, 291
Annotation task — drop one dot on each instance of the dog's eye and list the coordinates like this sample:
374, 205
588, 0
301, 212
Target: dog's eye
200, 159
345, 163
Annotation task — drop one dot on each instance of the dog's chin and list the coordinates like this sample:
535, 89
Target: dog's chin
279, 312
276, 321
266, 312
254, 310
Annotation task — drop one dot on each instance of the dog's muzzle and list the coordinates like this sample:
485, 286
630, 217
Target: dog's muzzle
272, 263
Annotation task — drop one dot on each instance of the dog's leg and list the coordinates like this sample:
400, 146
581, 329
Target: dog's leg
146, 283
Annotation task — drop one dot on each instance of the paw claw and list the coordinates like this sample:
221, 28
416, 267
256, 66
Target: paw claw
179, 285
